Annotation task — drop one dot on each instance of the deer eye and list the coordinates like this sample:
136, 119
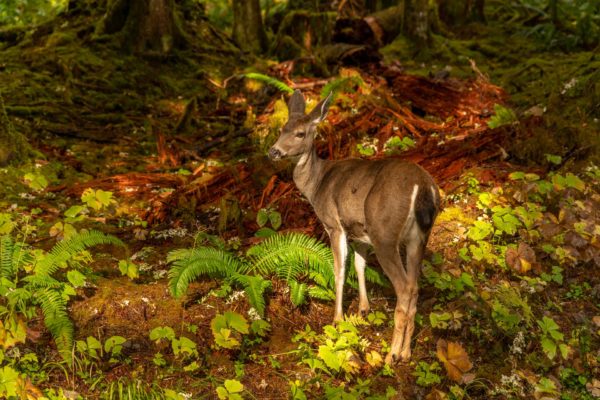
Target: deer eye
301, 135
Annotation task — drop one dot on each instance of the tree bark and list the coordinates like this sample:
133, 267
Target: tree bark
416, 21
144, 25
248, 30
459, 12
13, 146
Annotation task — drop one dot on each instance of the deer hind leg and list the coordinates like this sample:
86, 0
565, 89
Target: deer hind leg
414, 256
339, 246
391, 262
360, 255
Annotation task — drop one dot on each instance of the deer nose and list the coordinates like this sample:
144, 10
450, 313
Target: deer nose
274, 154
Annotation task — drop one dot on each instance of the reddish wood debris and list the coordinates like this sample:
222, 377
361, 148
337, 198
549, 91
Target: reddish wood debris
447, 118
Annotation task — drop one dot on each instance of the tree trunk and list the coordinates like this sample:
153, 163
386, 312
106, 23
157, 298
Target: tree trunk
248, 31
416, 21
460, 12
143, 25
13, 146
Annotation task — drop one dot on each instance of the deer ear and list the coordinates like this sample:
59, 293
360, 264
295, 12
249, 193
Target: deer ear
319, 113
296, 105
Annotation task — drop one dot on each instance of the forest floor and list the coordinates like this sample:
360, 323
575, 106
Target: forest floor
169, 153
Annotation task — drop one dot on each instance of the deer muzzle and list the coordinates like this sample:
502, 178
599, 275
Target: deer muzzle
275, 154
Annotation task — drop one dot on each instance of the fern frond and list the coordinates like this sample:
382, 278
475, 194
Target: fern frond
269, 81
189, 264
321, 293
355, 320
42, 282
298, 293
65, 250
298, 252
56, 318
255, 287
13, 256
346, 84
374, 276
6, 257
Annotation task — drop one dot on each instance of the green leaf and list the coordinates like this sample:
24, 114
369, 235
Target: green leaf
36, 181
76, 278
9, 381
233, 386
556, 160
236, 321
113, 344
262, 217
162, 332
275, 219
129, 268
480, 230
260, 327
549, 347
73, 211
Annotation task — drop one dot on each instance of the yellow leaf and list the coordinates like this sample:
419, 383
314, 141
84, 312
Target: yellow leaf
374, 359
455, 359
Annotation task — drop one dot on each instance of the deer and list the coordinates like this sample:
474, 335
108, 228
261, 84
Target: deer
389, 204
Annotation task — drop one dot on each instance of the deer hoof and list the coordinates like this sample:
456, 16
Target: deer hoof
391, 359
364, 312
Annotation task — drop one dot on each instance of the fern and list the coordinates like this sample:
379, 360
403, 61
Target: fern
502, 116
254, 287
13, 256
56, 319
65, 250
269, 81
321, 293
189, 264
298, 293
297, 252
346, 84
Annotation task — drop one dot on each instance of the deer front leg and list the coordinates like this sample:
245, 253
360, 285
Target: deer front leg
360, 256
339, 245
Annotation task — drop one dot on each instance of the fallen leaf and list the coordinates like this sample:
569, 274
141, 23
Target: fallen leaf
520, 259
593, 387
455, 359
436, 394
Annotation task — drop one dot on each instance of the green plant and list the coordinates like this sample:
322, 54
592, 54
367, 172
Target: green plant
264, 216
502, 116
41, 286
343, 84
395, 144
427, 374
294, 258
552, 339
231, 390
269, 80
227, 329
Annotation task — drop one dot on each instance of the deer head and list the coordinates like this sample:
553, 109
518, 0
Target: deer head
298, 134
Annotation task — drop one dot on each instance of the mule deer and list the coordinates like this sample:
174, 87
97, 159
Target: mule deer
389, 204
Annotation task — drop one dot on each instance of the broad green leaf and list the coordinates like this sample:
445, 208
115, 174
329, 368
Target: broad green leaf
36, 181
262, 217
549, 347
129, 268
76, 278
233, 386
162, 332
73, 211
9, 381
275, 219
236, 321
260, 327
113, 344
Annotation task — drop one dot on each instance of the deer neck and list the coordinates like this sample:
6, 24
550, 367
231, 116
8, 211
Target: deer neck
308, 173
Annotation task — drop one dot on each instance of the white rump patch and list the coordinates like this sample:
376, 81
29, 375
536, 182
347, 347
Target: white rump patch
413, 198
